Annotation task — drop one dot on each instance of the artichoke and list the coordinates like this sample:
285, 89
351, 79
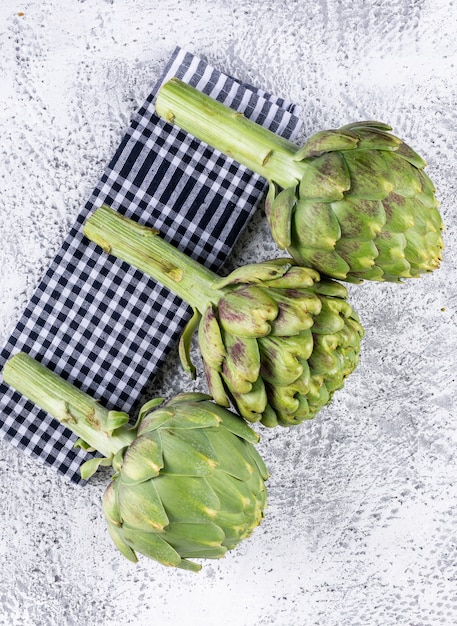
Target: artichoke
188, 480
275, 339
191, 485
354, 203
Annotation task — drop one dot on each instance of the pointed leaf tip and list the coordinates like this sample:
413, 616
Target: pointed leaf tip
327, 141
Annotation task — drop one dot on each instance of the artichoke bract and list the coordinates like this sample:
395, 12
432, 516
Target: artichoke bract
188, 483
353, 203
276, 340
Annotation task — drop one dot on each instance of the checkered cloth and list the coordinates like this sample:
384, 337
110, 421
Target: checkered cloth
100, 323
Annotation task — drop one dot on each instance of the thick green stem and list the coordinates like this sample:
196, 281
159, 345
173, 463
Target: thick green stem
70, 406
259, 149
143, 248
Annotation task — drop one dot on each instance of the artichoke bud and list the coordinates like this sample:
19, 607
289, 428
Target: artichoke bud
191, 485
274, 337
360, 185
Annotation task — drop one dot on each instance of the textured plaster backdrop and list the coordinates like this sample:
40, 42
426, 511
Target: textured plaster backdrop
362, 521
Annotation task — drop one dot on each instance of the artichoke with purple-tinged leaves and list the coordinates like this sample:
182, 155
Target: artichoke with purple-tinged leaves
275, 339
188, 483
354, 203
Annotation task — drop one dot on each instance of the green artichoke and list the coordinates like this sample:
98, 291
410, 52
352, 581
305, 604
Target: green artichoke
353, 203
191, 485
188, 480
275, 339
364, 208
279, 342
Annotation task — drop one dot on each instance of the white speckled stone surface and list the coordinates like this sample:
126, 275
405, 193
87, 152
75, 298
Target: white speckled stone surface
362, 522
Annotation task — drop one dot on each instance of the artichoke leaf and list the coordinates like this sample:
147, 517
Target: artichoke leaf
243, 357
271, 195
153, 420
188, 396
143, 459
405, 177
115, 419
332, 288
283, 398
326, 141
235, 496
153, 545
280, 216
192, 415
296, 277
181, 457
326, 178
360, 255
185, 342
359, 219
216, 386
247, 311
376, 139
257, 460
327, 262
407, 153
370, 176
400, 212
193, 540
210, 339
141, 506
315, 226
231, 457
296, 311
270, 418
147, 407
110, 505
251, 405
368, 124
331, 319
280, 364
117, 537
255, 273
88, 468
235, 424
190, 497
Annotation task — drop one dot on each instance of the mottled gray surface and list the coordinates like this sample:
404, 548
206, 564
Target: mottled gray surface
361, 526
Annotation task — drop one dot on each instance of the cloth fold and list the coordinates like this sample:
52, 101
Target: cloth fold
100, 323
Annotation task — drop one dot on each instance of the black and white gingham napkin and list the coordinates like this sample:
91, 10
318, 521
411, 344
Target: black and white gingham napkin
100, 323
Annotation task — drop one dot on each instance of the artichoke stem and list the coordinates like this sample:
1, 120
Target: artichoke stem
143, 248
69, 405
227, 130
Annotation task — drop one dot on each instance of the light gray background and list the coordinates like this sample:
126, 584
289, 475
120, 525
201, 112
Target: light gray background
361, 527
